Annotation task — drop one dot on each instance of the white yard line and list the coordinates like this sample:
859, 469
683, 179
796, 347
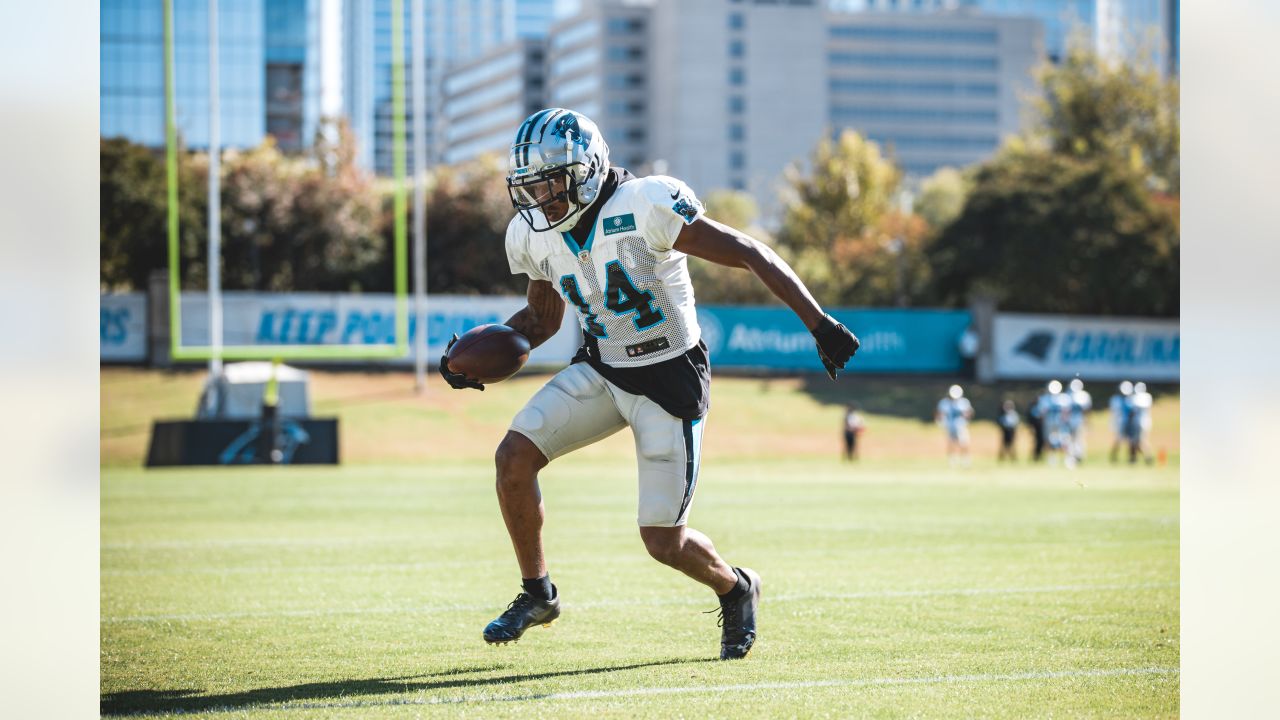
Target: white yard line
419, 609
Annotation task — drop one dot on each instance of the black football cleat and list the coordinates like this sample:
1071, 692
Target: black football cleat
523, 613
738, 619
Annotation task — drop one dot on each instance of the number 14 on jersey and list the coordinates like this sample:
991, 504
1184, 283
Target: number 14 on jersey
620, 297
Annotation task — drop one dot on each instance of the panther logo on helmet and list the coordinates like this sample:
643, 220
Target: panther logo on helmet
567, 127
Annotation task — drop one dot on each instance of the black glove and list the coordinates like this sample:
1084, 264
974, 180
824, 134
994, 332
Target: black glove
835, 344
457, 381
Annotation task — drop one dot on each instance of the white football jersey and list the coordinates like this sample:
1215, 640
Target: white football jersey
630, 288
955, 412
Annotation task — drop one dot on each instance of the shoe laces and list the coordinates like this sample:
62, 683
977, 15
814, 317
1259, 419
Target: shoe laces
522, 603
725, 612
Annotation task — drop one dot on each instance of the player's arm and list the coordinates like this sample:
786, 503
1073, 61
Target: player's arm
723, 245
537, 321
541, 317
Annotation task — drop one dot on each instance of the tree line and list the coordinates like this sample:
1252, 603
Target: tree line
1078, 214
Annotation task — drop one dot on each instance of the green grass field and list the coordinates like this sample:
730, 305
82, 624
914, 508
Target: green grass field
896, 587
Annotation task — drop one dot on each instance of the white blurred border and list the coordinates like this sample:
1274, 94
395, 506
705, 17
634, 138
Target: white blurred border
1230, 359
48, 358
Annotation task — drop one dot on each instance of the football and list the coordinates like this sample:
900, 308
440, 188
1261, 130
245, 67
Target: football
489, 353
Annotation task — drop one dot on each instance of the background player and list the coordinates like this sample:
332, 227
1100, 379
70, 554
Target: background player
1119, 406
854, 424
953, 414
1053, 407
1008, 430
1081, 402
1139, 423
615, 247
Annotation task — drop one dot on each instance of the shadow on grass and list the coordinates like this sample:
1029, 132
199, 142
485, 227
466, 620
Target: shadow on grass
136, 702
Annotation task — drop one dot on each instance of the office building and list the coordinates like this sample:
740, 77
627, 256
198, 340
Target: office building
598, 63
486, 99
1118, 29
131, 86
933, 90
292, 56
741, 91
725, 94
456, 32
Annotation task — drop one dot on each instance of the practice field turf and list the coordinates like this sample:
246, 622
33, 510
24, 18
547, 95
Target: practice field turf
895, 587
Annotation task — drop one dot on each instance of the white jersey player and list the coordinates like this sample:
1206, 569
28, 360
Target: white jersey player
1139, 422
1054, 407
615, 248
953, 413
1081, 403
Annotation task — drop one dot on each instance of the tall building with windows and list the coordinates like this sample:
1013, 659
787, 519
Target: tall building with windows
486, 99
933, 90
1119, 29
740, 90
292, 56
598, 63
456, 32
131, 85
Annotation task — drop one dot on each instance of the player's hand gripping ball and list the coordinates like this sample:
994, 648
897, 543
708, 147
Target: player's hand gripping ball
483, 355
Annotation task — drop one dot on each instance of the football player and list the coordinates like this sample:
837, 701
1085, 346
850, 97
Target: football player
953, 413
1081, 404
614, 247
1120, 407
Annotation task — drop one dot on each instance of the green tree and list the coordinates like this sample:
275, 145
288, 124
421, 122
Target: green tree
133, 217
1053, 232
842, 232
468, 210
942, 197
1091, 107
291, 224
717, 283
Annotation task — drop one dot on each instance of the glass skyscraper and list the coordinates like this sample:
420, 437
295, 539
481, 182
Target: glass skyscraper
131, 84
292, 71
456, 31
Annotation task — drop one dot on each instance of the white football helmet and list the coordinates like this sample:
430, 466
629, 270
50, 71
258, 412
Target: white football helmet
1054, 387
956, 392
1076, 385
556, 145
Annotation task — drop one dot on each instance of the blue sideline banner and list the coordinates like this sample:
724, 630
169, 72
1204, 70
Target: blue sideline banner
1039, 347
893, 341
122, 327
753, 338
250, 318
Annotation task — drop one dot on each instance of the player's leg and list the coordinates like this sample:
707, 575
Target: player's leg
572, 410
517, 462
669, 455
690, 552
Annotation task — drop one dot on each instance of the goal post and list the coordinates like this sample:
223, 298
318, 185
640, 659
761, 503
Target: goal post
396, 349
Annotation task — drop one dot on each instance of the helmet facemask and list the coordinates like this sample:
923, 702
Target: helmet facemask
534, 194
